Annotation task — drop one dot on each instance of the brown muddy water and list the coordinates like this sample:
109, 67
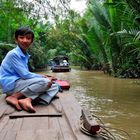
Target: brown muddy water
115, 101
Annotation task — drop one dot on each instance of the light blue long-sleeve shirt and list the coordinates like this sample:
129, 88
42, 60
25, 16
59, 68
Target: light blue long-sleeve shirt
13, 67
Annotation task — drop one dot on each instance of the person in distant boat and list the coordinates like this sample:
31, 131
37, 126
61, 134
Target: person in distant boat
22, 87
65, 63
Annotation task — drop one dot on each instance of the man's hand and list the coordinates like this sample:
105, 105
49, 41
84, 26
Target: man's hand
52, 78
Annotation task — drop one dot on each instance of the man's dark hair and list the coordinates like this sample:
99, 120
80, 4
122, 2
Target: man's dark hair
24, 31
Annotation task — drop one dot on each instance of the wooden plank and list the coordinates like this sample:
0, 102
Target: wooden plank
56, 105
66, 127
7, 127
4, 108
53, 121
32, 123
63, 124
3, 123
39, 135
40, 122
73, 112
59, 123
17, 125
73, 116
10, 135
2, 98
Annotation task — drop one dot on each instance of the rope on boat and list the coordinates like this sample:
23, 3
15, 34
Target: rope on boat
90, 126
107, 134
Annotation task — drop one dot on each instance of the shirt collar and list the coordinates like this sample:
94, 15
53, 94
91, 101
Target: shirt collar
21, 53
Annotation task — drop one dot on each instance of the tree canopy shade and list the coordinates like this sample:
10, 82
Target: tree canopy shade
108, 34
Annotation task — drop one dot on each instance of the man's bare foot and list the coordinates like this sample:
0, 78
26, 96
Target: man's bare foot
18, 95
13, 101
26, 104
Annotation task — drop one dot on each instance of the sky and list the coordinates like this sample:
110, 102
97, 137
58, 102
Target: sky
78, 5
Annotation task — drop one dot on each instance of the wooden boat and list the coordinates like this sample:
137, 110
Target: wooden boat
60, 120
60, 64
58, 68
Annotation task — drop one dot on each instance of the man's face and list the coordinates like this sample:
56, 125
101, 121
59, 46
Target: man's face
24, 41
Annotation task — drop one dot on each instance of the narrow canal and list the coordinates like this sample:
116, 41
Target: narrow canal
115, 101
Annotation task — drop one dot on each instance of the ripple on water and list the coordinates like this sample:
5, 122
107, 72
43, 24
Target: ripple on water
114, 100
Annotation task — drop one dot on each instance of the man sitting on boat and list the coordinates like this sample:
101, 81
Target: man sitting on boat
21, 86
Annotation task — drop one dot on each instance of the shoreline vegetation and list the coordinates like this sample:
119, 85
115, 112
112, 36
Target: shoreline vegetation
105, 37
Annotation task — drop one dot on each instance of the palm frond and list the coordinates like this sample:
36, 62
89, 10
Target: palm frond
132, 32
100, 13
137, 36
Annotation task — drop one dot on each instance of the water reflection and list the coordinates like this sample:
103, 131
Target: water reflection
115, 101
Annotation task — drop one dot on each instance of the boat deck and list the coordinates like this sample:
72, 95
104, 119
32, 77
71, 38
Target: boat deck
57, 121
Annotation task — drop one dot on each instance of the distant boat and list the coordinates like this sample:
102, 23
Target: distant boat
60, 64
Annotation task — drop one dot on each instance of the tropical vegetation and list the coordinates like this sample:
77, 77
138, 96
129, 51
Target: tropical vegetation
106, 37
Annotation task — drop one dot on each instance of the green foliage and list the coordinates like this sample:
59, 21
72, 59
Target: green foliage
13, 15
106, 22
108, 32
4, 49
38, 59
